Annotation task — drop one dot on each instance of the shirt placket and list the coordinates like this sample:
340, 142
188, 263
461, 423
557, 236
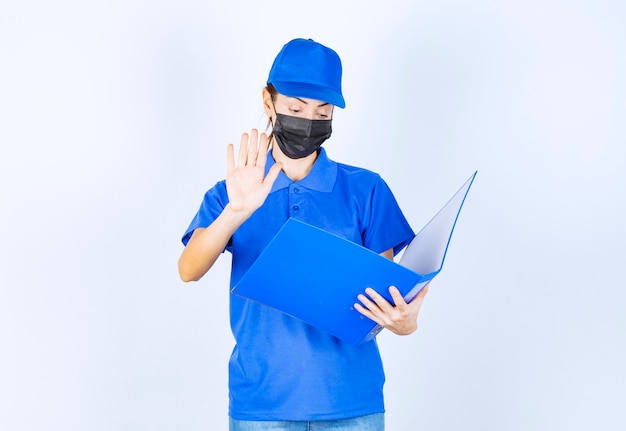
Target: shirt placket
296, 201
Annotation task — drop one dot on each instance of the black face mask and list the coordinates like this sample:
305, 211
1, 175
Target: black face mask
299, 137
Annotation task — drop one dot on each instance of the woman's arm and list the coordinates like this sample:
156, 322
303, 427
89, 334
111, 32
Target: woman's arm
206, 244
247, 190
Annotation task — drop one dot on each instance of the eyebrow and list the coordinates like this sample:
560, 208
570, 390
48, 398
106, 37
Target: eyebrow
306, 103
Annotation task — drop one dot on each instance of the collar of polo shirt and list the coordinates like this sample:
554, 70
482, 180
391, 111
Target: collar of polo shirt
321, 177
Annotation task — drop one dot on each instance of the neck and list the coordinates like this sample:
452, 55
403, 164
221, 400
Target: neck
295, 169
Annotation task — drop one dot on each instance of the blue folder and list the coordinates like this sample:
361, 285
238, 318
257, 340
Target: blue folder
322, 289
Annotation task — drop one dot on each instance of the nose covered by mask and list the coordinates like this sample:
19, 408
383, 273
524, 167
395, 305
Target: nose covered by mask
299, 137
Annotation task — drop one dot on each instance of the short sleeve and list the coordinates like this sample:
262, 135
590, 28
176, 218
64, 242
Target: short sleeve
385, 225
212, 206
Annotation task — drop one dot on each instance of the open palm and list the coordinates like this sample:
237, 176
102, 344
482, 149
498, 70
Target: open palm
246, 183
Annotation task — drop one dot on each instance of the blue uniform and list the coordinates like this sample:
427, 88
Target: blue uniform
282, 368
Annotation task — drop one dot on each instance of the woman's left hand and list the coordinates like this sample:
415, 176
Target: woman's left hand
399, 317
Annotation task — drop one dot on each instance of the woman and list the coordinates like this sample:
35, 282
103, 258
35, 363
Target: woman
283, 373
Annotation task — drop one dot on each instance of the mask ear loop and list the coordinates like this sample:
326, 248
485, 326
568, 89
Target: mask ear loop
270, 137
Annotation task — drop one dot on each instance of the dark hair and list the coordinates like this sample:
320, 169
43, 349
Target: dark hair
273, 93
272, 90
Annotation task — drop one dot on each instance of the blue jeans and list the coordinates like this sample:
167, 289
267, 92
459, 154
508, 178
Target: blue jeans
375, 422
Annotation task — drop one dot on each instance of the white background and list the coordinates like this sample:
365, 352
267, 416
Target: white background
114, 119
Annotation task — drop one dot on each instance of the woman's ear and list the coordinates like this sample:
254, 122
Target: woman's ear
268, 106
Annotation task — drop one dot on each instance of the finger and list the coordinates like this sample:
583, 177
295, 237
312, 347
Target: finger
382, 303
253, 147
398, 299
272, 175
242, 158
368, 303
262, 153
365, 312
230, 157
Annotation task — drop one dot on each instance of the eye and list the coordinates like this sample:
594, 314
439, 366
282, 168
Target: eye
295, 110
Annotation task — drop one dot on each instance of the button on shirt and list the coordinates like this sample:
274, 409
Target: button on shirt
282, 368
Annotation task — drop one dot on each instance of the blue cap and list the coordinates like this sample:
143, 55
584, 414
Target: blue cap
305, 68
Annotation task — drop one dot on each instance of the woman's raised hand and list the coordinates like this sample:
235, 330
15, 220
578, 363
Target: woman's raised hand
246, 182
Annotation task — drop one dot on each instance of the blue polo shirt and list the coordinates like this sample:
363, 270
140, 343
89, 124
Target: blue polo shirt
282, 368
